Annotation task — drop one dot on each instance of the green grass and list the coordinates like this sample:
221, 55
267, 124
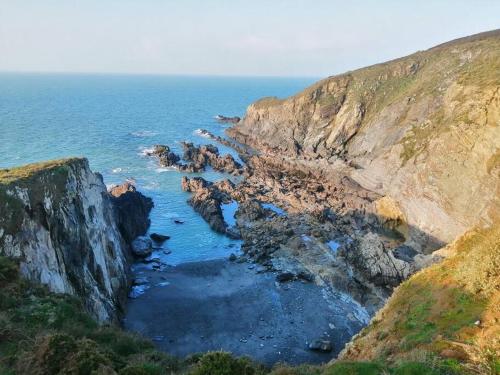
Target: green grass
24, 172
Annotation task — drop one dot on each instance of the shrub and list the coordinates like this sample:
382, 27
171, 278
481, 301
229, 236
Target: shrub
222, 363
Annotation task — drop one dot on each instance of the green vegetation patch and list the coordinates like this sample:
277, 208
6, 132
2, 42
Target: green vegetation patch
24, 172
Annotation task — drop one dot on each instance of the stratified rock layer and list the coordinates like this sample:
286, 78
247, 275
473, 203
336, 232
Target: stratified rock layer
423, 131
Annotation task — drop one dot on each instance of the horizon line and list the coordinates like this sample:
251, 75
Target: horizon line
154, 74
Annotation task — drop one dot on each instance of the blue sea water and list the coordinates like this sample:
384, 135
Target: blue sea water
112, 119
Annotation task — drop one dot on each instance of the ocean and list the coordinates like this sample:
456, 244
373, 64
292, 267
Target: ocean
113, 119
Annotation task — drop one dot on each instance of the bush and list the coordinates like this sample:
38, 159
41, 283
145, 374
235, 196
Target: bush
221, 363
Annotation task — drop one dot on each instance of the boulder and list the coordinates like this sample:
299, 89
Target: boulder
324, 346
225, 119
284, 277
142, 247
160, 238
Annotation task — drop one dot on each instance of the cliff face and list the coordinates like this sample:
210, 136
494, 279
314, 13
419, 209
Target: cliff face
58, 220
423, 130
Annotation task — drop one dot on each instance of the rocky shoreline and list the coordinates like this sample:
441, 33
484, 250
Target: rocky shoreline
297, 222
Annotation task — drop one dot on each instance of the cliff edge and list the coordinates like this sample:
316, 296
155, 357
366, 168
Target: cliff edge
58, 220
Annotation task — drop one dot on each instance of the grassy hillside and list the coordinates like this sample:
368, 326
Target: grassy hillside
450, 311
42, 333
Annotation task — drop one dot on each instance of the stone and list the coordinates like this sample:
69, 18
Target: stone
142, 247
233, 257
324, 346
225, 119
284, 277
160, 238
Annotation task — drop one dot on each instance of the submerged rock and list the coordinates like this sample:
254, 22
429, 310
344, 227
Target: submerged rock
232, 120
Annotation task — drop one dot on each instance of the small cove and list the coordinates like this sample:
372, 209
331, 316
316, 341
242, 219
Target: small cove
195, 291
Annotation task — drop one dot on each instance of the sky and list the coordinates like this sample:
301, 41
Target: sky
312, 38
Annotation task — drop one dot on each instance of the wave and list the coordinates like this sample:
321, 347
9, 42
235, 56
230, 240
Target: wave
116, 170
144, 133
146, 151
151, 186
202, 133
165, 169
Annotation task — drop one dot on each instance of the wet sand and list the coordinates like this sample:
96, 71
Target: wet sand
214, 305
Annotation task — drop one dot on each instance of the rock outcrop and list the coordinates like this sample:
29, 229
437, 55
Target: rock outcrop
423, 130
133, 210
58, 219
207, 199
208, 155
225, 119
196, 158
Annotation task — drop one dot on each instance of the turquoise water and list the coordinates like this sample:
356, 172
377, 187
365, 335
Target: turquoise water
111, 119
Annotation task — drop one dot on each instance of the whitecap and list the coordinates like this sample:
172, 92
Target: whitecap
165, 169
146, 151
144, 133
116, 170
151, 186
202, 133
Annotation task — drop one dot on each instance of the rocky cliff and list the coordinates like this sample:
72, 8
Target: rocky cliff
422, 131
58, 219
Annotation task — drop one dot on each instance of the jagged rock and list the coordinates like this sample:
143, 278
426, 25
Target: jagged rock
132, 210
202, 156
378, 264
324, 346
160, 238
142, 247
206, 200
158, 150
169, 159
232, 120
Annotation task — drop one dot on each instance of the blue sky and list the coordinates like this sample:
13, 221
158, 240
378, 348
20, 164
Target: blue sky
258, 37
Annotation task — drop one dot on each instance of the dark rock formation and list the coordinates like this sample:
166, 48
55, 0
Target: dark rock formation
160, 238
206, 200
202, 156
132, 209
224, 119
196, 159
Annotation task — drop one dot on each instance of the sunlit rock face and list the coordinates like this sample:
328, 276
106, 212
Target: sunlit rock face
58, 220
423, 130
